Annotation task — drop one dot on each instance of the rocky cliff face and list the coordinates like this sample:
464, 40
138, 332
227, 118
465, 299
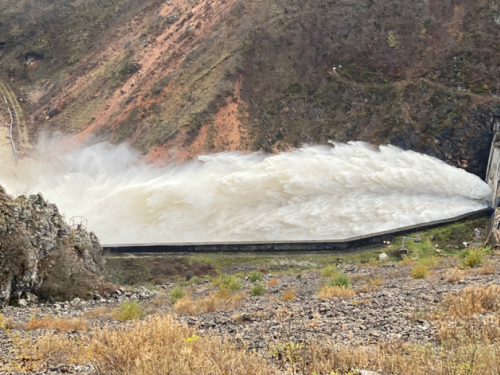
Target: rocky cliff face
41, 255
180, 78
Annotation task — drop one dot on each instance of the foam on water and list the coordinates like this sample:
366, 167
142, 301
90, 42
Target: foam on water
315, 192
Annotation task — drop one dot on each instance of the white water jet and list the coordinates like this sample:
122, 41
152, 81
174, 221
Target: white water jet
312, 193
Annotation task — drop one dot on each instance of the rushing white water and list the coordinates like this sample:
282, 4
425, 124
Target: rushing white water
315, 192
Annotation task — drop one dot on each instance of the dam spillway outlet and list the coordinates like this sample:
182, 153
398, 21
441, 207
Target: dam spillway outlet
312, 193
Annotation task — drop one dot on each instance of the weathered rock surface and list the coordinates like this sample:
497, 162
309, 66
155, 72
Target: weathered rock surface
41, 255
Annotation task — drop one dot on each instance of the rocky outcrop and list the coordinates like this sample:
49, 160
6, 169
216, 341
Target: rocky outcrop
41, 255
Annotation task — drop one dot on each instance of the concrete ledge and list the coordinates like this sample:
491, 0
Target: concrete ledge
289, 246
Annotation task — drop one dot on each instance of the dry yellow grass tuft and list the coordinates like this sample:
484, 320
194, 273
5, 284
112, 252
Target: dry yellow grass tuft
159, 345
223, 293
212, 303
455, 274
57, 324
473, 300
5, 323
372, 286
483, 327
455, 357
335, 291
101, 312
272, 282
238, 297
376, 282
58, 348
156, 345
487, 269
288, 295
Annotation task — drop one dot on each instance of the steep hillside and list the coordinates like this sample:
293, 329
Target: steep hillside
185, 77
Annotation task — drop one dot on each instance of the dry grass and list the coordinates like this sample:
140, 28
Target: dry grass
335, 291
212, 303
272, 282
238, 297
6, 323
407, 262
475, 328
57, 324
372, 286
328, 357
454, 275
473, 300
367, 288
157, 345
100, 312
487, 269
56, 348
161, 300
376, 282
358, 278
288, 295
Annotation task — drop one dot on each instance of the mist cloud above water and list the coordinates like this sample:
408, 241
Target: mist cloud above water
315, 192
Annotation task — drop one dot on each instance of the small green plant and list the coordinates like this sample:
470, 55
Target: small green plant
329, 271
231, 283
392, 40
193, 280
339, 279
127, 310
177, 293
473, 257
258, 290
420, 271
255, 276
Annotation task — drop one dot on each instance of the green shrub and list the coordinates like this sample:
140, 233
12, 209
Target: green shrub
473, 257
177, 293
231, 283
340, 279
329, 271
420, 271
255, 276
235, 285
127, 310
258, 290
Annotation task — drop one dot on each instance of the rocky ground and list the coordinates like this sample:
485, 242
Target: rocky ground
401, 308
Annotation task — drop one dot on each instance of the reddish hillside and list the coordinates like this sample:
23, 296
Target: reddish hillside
185, 77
